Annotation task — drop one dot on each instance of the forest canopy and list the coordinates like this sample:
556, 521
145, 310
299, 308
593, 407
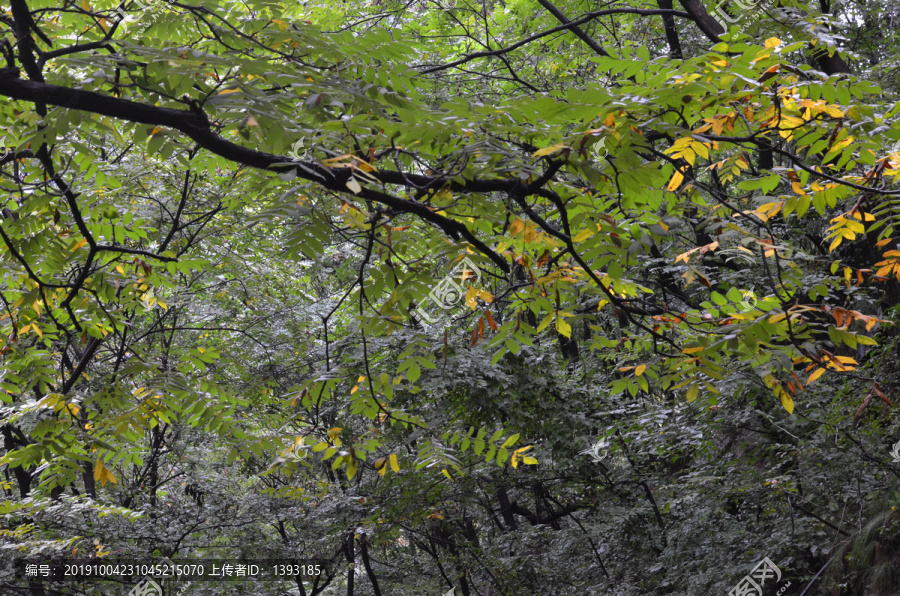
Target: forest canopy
494, 297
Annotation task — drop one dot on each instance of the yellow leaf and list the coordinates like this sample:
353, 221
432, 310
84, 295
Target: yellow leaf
583, 235
675, 182
548, 150
486, 296
86, 5
563, 327
640, 370
529, 460
471, 295
395, 465
815, 375
449, 477
700, 149
693, 350
102, 474
516, 227
773, 42
835, 243
787, 402
545, 323
353, 185
692, 393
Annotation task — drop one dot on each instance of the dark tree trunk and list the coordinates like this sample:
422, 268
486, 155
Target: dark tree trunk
350, 554
671, 30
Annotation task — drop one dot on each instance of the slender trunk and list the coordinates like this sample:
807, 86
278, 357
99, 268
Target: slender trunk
23, 477
364, 551
349, 552
671, 30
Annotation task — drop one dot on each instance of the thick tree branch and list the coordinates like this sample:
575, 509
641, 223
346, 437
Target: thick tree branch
710, 26
195, 125
578, 31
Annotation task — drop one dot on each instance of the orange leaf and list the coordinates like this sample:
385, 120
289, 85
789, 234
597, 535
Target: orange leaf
882, 396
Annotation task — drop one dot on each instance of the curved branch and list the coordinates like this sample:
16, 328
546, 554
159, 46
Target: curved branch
194, 124
588, 17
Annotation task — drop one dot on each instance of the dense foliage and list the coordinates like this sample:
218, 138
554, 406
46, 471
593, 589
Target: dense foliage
506, 297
